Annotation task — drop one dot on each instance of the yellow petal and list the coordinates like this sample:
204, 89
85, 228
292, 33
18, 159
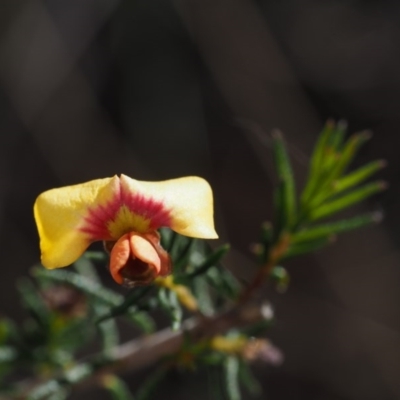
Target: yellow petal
59, 214
189, 201
72, 217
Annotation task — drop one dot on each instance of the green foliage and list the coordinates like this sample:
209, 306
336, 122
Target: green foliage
108, 329
248, 380
89, 286
215, 383
227, 374
201, 290
149, 386
285, 194
34, 303
231, 368
54, 336
281, 277
8, 331
169, 302
212, 259
334, 228
329, 189
117, 388
342, 202
126, 305
50, 389
311, 246
223, 281
267, 240
61, 394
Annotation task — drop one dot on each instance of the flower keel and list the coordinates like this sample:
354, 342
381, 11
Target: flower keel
137, 259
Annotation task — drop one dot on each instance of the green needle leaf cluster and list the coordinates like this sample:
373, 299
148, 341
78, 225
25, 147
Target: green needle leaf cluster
330, 189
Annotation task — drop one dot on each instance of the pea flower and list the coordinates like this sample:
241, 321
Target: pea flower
125, 214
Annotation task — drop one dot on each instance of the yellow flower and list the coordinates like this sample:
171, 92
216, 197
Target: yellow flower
125, 214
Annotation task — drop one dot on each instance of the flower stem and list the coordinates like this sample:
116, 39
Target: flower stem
277, 251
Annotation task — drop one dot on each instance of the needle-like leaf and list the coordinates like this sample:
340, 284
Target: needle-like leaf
232, 378
287, 195
325, 230
347, 200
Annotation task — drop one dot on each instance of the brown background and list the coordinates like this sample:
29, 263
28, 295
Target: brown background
159, 89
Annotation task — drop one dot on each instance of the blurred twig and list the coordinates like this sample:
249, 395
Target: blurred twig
144, 351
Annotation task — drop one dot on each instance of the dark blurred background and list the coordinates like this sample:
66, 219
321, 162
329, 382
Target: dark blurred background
160, 89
